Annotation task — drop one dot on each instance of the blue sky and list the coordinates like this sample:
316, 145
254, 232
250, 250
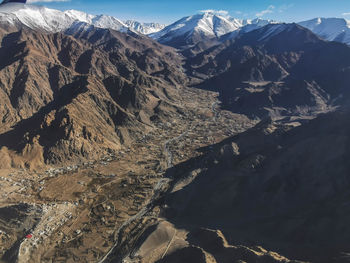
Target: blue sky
168, 11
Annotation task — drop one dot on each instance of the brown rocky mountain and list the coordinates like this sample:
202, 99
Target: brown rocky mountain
283, 183
65, 97
107, 156
280, 70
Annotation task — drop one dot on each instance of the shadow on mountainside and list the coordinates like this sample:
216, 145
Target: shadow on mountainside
20, 134
283, 188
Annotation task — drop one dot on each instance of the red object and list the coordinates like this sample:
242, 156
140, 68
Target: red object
29, 236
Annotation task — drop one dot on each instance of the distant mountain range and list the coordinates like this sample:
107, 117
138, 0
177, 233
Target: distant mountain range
208, 25
50, 20
183, 33
332, 29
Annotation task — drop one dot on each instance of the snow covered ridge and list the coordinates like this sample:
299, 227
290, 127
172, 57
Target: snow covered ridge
208, 23
144, 28
51, 20
332, 29
218, 24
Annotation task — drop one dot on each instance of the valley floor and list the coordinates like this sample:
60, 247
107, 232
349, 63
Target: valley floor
93, 212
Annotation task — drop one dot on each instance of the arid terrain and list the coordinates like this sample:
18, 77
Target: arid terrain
83, 210
115, 147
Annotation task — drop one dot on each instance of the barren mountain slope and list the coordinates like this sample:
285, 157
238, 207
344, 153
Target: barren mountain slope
279, 70
64, 98
282, 186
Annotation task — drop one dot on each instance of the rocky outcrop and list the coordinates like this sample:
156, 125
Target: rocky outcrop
164, 243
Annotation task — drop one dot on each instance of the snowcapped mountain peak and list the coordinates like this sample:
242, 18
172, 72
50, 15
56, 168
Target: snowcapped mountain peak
51, 20
262, 22
211, 24
208, 24
35, 17
335, 23
104, 21
79, 15
205, 25
211, 12
144, 28
332, 29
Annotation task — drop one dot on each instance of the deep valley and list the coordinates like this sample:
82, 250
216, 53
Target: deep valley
128, 142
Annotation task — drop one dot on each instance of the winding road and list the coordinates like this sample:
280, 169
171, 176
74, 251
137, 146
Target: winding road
157, 190
159, 187
168, 154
